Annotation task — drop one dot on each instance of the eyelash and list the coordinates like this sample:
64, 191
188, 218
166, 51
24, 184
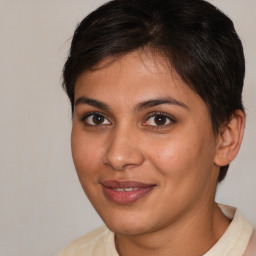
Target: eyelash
91, 114
171, 119
151, 115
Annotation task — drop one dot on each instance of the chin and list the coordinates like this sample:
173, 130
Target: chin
128, 224
128, 230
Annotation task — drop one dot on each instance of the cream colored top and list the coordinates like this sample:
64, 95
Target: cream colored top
238, 240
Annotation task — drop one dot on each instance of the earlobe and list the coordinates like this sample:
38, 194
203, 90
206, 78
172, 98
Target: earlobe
229, 139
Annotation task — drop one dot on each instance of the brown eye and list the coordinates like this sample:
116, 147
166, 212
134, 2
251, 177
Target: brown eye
96, 119
159, 120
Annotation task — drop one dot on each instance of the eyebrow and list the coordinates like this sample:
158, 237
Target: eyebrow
95, 103
139, 107
160, 101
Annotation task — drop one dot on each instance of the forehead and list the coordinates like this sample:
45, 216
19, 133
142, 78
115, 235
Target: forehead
132, 78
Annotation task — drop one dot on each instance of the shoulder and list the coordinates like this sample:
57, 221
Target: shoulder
93, 243
237, 239
251, 249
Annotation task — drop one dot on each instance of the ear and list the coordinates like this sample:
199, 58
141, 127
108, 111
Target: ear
229, 139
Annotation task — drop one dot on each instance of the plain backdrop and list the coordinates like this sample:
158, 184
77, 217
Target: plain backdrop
42, 206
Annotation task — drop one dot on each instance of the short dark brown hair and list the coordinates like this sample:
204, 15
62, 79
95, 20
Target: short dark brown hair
199, 41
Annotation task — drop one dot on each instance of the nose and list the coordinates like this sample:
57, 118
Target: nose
123, 150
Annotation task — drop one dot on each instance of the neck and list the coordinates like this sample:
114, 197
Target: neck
194, 235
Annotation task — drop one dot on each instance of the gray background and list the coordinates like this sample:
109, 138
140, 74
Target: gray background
42, 204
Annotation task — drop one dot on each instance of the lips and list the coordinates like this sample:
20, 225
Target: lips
126, 192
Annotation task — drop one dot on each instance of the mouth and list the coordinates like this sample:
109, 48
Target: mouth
125, 192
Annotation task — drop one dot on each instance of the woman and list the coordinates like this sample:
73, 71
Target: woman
155, 89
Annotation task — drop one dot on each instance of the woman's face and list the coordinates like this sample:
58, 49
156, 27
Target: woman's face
143, 145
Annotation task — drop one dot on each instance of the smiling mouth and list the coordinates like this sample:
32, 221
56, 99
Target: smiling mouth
125, 192
125, 189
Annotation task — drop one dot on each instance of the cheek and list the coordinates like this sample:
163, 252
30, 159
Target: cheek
86, 154
185, 169
182, 157
87, 159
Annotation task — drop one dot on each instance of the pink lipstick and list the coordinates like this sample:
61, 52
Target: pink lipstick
125, 192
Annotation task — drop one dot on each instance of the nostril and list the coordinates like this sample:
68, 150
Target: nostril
115, 166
